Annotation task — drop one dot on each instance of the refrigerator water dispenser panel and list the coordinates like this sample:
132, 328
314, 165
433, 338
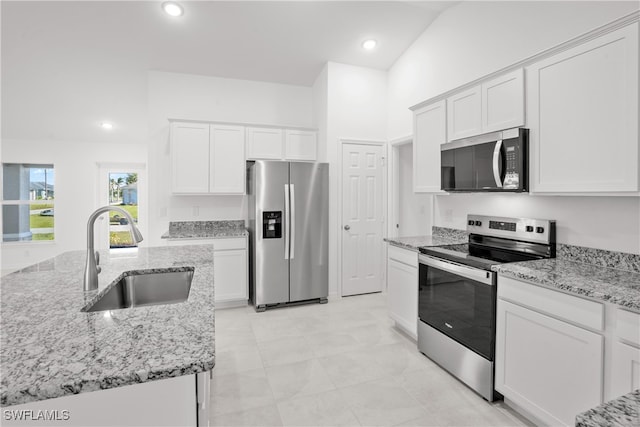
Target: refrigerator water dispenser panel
272, 225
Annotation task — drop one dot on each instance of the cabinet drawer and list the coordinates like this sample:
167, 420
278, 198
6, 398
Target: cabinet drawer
404, 256
560, 305
628, 326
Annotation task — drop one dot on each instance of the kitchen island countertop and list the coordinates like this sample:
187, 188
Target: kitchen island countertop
49, 348
621, 412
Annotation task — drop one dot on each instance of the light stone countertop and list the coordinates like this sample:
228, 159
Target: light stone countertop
413, 243
49, 348
621, 412
616, 286
205, 229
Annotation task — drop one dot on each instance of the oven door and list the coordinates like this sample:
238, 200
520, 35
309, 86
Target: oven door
460, 302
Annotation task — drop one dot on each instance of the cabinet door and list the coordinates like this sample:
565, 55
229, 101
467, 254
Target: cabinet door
189, 157
264, 143
300, 145
429, 130
464, 114
402, 288
625, 375
550, 368
582, 111
503, 102
227, 161
230, 275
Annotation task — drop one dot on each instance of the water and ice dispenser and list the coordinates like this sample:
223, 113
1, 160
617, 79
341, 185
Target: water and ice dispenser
272, 225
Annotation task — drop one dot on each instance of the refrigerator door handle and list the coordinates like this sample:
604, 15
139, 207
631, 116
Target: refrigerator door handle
292, 218
287, 219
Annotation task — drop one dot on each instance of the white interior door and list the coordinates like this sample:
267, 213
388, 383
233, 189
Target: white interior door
362, 218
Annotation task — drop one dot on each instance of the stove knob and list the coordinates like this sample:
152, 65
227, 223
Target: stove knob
539, 229
529, 228
478, 223
471, 222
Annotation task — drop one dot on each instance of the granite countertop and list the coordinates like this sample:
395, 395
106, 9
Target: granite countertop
49, 348
621, 412
205, 229
439, 236
616, 286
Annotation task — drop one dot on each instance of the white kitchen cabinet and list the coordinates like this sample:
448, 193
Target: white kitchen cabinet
582, 111
207, 158
464, 114
625, 366
230, 268
430, 131
550, 368
493, 105
402, 288
300, 145
264, 143
226, 160
189, 157
503, 102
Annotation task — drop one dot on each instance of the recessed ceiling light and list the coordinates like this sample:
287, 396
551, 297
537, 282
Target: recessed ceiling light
369, 44
106, 125
172, 8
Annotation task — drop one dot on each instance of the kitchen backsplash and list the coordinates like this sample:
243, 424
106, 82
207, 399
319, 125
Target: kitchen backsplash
205, 227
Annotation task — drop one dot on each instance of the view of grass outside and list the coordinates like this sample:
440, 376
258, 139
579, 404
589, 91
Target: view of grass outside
123, 193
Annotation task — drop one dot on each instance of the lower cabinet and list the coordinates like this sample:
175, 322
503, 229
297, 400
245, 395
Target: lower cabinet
558, 355
402, 288
230, 268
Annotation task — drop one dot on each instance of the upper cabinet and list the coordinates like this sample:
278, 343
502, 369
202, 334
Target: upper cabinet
494, 105
582, 107
265, 143
207, 158
429, 132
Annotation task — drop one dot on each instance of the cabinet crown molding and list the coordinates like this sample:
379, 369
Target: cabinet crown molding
246, 124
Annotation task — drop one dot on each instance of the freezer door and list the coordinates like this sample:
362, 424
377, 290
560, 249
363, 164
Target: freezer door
309, 253
270, 260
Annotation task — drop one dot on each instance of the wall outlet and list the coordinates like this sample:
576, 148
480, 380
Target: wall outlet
448, 215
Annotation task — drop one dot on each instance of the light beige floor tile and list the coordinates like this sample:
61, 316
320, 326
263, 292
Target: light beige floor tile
270, 328
437, 390
264, 416
322, 409
354, 367
298, 379
241, 391
330, 343
240, 358
382, 403
285, 350
395, 359
371, 335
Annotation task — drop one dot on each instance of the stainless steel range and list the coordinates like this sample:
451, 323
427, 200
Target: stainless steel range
457, 293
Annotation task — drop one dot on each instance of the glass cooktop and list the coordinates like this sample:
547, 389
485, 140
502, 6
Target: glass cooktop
478, 256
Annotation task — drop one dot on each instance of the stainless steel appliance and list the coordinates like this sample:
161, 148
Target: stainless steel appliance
457, 293
288, 206
495, 161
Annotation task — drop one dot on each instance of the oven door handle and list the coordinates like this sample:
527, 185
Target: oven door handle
478, 275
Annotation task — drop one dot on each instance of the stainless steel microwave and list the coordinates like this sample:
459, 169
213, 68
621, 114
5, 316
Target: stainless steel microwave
495, 161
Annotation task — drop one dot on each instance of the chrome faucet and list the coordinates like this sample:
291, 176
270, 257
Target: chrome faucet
91, 268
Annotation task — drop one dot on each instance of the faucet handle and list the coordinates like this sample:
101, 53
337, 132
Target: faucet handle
97, 258
98, 269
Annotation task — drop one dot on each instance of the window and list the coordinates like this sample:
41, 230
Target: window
28, 194
123, 192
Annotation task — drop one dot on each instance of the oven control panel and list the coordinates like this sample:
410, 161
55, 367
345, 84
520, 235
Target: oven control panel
525, 229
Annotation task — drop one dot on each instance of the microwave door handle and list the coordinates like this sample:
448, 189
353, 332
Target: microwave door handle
497, 151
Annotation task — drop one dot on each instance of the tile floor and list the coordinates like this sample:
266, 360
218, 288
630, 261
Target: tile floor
337, 364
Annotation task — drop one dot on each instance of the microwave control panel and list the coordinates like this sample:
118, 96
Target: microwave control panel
515, 158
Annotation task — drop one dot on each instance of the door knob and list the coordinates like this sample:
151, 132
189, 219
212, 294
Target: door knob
347, 227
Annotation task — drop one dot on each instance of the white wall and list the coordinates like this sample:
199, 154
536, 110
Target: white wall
473, 39
414, 213
186, 96
356, 106
76, 187
320, 111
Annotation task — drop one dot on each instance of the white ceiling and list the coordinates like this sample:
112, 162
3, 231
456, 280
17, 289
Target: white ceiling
66, 66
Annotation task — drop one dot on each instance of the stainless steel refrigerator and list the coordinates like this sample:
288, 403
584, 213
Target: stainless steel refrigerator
288, 205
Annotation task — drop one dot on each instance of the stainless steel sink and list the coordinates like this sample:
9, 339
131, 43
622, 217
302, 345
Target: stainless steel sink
141, 289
